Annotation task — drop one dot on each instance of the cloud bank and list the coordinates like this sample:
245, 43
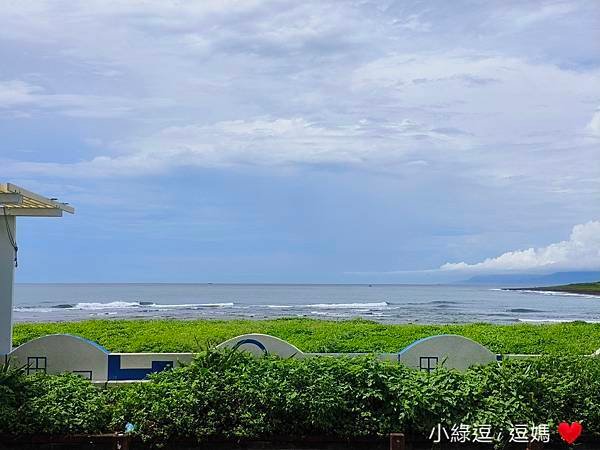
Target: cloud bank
404, 134
594, 125
368, 85
580, 251
263, 142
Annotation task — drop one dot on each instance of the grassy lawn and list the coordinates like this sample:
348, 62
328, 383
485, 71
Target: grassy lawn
309, 335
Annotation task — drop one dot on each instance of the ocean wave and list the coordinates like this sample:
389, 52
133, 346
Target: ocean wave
120, 305
524, 310
375, 305
557, 320
557, 293
195, 305
30, 309
215, 305
329, 314
442, 302
110, 305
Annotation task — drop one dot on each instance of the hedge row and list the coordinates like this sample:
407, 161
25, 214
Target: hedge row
233, 396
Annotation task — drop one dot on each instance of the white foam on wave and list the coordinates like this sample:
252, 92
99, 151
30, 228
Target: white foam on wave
557, 320
328, 314
109, 305
195, 305
31, 309
120, 305
558, 293
216, 305
375, 305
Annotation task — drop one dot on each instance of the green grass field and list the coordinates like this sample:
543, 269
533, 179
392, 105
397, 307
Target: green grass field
308, 335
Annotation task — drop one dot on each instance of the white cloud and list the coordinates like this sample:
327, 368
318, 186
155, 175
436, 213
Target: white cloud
472, 114
413, 22
484, 90
260, 142
456, 108
16, 92
376, 85
18, 96
580, 251
538, 13
594, 125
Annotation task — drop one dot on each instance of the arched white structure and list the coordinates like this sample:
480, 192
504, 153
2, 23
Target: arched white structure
59, 353
447, 350
262, 344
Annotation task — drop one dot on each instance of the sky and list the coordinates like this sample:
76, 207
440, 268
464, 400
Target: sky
303, 142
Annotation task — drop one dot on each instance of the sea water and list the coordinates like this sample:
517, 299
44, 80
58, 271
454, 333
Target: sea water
381, 303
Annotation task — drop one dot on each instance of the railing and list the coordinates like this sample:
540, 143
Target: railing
397, 441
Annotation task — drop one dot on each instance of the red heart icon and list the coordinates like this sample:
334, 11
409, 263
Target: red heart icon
570, 433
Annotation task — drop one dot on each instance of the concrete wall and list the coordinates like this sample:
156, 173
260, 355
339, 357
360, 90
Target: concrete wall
451, 351
7, 273
65, 353
262, 344
137, 366
59, 353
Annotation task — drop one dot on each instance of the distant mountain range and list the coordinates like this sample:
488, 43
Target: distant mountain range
519, 280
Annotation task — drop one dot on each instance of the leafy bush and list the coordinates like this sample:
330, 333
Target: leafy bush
11, 386
232, 396
62, 404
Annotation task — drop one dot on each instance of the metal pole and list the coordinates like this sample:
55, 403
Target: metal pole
122, 442
7, 279
397, 441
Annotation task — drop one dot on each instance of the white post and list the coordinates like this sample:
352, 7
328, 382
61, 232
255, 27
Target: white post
7, 278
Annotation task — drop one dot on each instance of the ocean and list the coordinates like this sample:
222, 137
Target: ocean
381, 303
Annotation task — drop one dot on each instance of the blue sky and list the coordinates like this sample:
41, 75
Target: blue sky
276, 141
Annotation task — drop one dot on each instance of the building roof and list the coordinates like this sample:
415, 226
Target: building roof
16, 201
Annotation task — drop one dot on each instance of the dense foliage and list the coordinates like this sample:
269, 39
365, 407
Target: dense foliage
233, 396
61, 404
575, 338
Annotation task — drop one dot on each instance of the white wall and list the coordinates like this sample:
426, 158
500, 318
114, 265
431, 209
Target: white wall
64, 353
258, 344
144, 360
451, 351
7, 271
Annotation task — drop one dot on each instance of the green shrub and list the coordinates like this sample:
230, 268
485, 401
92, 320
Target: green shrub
11, 388
60, 404
232, 396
